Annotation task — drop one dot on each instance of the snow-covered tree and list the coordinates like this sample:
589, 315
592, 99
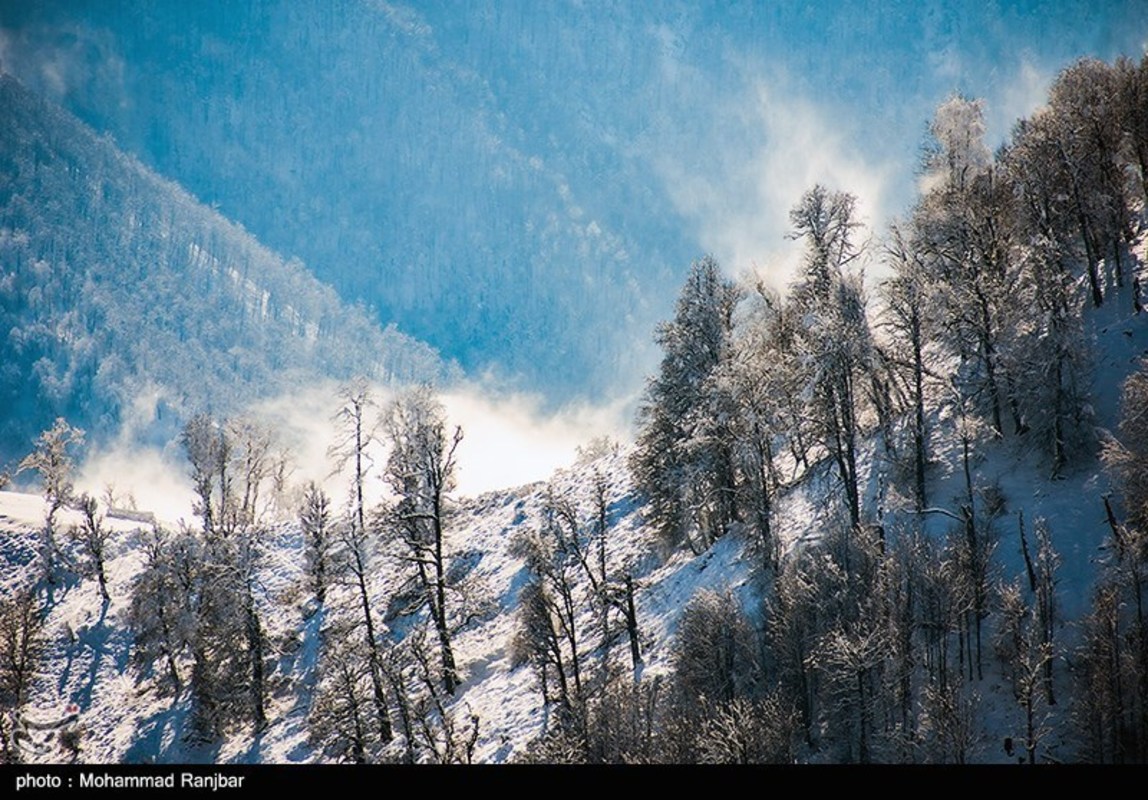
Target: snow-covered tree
1050, 357
1112, 688
850, 658
683, 461
550, 637
356, 566
318, 539
834, 341
1025, 652
22, 647
356, 433
230, 464
539, 644
746, 731
208, 452
256, 467
420, 471
340, 723
52, 459
161, 615
908, 318
715, 651
962, 232
1127, 456
758, 382
1084, 103
93, 538
1132, 88
958, 153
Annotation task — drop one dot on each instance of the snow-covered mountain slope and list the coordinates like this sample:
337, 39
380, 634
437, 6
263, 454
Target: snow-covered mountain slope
88, 679
127, 304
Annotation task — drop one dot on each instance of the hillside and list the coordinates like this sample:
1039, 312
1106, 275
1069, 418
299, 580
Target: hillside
486, 209
123, 300
522, 187
896, 517
123, 716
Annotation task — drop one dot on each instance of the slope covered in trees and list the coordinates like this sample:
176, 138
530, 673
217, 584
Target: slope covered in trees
117, 285
900, 521
1002, 279
410, 165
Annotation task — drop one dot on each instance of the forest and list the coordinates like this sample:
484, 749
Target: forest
117, 285
966, 328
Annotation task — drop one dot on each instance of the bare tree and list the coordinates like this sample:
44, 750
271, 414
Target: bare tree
356, 433
208, 452
358, 547
538, 643
1127, 457
715, 653
948, 724
94, 537
256, 466
1103, 710
340, 714
160, 615
437, 730
420, 471
907, 318
549, 635
53, 461
749, 732
850, 659
22, 647
1025, 656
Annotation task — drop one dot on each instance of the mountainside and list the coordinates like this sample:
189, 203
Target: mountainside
519, 186
123, 299
484, 208
92, 682
897, 517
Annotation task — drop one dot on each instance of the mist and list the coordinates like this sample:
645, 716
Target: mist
509, 440
767, 145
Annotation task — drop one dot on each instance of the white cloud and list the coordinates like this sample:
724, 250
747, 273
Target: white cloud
156, 479
509, 440
764, 146
1017, 97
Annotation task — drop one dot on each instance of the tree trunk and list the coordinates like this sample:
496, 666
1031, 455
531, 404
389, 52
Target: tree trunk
1024, 551
401, 702
358, 737
988, 355
380, 700
919, 443
102, 577
438, 608
764, 501
1030, 727
170, 658
632, 625
255, 649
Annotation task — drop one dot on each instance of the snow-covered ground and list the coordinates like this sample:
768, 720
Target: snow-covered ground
88, 681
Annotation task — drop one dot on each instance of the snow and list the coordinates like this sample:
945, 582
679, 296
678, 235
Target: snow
122, 719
